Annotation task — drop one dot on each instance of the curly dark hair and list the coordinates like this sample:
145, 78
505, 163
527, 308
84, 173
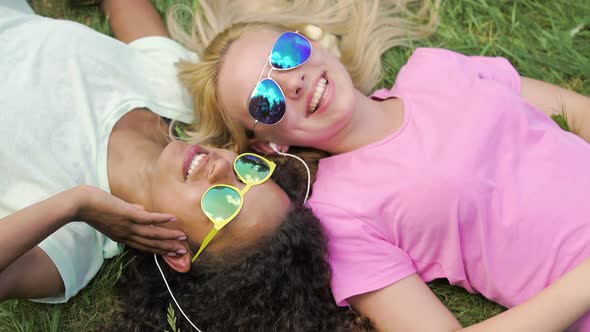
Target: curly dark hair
281, 284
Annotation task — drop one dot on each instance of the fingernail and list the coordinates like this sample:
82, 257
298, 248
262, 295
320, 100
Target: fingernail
182, 238
171, 254
173, 219
181, 251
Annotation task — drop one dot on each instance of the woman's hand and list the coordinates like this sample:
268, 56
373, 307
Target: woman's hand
128, 223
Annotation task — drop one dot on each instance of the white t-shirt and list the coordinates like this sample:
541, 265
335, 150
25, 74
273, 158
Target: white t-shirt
63, 87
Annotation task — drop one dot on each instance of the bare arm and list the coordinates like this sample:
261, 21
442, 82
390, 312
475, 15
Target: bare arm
121, 221
409, 305
133, 19
24, 229
553, 100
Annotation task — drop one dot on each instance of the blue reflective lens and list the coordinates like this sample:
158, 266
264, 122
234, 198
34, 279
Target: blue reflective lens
267, 102
291, 50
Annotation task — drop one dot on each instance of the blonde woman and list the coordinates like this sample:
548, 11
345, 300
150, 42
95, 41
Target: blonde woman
448, 174
87, 163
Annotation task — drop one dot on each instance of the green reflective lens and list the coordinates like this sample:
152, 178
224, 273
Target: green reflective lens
252, 168
221, 203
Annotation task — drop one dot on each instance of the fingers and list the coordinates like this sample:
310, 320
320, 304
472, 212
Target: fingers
171, 248
157, 233
150, 218
139, 206
144, 248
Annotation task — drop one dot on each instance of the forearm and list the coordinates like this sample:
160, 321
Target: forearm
26, 228
555, 100
133, 19
403, 305
583, 125
554, 309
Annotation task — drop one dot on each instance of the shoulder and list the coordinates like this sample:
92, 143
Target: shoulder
339, 178
430, 68
429, 59
350, 181
157, 58
361, 257
163, 48
436, 69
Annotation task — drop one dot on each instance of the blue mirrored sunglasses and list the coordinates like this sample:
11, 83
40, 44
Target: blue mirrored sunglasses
267, 102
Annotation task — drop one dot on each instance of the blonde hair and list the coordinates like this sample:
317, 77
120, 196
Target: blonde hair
364, 30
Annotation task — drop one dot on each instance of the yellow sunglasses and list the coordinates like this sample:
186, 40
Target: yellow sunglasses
222, 202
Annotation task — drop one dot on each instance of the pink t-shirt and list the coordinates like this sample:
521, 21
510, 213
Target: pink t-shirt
477, 186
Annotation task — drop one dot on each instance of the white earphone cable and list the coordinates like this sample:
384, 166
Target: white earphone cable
172, 295
304, 164
304, 201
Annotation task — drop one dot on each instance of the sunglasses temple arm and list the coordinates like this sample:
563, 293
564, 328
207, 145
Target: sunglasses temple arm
254, 126
263, 68
205, 243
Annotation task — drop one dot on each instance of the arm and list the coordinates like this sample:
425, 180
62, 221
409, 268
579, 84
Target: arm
409, 305
26, 271
554, 100
123, 222
24, 229
133, 19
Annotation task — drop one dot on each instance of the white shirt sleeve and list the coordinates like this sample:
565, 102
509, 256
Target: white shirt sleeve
159, 58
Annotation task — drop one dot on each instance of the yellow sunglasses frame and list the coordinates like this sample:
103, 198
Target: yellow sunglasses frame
218, 225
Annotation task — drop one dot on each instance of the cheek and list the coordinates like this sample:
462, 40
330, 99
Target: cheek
239, 114
175, 199
191, 220
234, 97
285, 132
161, 201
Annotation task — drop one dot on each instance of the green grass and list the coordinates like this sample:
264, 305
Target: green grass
547, 40
88, 311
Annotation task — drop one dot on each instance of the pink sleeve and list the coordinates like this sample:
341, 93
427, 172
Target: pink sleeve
361, 258
495, 68
435, 69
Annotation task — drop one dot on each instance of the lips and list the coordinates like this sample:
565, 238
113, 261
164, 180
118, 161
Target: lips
325, 97
192, 151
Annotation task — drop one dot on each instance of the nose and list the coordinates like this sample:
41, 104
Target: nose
220, 171
292, 82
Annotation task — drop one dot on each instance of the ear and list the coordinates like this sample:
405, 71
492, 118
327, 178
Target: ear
264, 147
181, 264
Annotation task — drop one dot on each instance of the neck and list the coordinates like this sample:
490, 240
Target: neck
134, 148
371, 121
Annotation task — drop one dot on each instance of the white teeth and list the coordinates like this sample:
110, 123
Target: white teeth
195, 163
318, 94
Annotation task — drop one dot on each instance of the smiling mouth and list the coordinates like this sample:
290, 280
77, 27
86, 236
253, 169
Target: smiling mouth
194, 157
319, 95
195, 163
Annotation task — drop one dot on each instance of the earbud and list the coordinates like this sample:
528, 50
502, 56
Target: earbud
274, 147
